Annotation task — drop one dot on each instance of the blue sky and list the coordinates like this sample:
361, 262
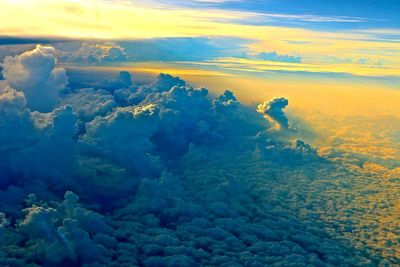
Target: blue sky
335, 14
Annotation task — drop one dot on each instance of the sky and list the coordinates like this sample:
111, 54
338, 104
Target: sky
357, 39
199, 133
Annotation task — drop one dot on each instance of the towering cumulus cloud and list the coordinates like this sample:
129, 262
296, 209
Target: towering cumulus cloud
274, 110
35, 73
160, 174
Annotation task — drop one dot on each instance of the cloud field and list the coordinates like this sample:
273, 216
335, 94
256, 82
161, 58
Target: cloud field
121, 173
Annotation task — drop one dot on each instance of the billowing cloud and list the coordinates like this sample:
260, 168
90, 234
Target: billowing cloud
92, 53
35, 73
134, 95
124, 137
274, 110
63, 233
89, 103
166, 174
11, 100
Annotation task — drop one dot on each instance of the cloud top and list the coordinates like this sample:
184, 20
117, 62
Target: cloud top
274, 110
36, 75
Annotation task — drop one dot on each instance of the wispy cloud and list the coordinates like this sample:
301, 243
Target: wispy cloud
263, 66
308, 18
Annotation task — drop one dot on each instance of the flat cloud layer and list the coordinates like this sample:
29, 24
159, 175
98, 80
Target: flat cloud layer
161, 174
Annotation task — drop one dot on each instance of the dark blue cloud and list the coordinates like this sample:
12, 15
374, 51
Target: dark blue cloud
10, 40
124, 80
166, 175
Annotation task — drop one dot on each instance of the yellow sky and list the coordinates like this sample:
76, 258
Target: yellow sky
95, 19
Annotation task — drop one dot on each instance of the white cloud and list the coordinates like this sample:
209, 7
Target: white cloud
35, 73
273, 109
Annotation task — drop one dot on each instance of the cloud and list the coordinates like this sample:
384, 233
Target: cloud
11, 101
273, 56
33, 145
89, 103
13, 49
63, 233
167, 174
155, 49
274, 110
111, 136
134, 95
92, 53
124, 80
35, 73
